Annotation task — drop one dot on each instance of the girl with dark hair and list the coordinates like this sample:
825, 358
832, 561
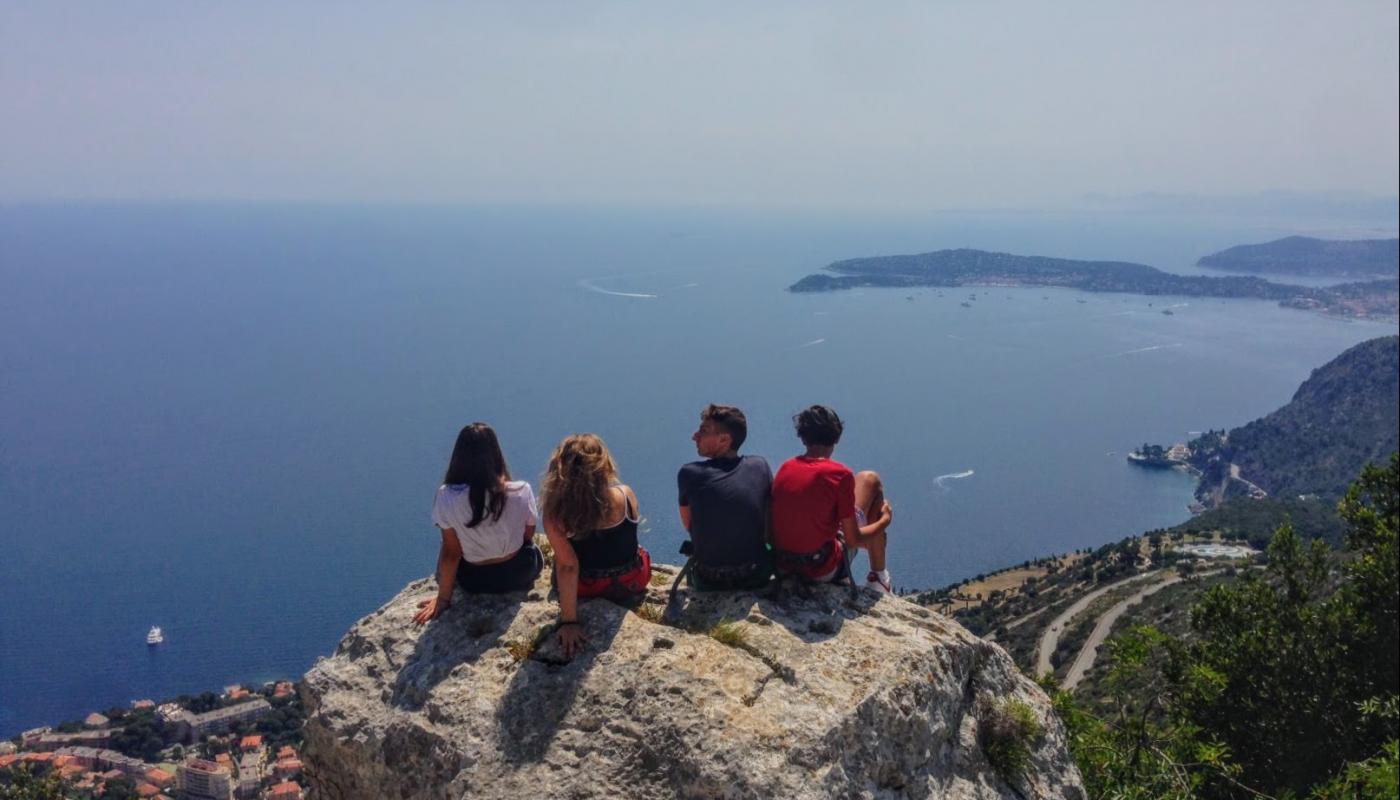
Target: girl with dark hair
591, 519
487, 522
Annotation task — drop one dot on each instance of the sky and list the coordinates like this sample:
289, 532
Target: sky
958, 104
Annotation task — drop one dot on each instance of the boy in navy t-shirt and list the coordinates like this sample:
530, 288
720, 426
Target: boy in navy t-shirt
724, 505
820, 507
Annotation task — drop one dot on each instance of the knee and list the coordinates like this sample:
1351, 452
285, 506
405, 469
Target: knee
869, 479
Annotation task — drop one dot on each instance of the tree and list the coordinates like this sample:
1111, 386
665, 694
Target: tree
1288, 668
20, 783
1139, 750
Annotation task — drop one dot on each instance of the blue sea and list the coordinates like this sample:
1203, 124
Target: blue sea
229, 420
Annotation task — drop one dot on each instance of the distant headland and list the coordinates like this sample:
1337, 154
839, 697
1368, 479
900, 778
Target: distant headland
1302, 255
963, 267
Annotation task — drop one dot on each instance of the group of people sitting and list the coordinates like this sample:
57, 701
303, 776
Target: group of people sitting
745, 523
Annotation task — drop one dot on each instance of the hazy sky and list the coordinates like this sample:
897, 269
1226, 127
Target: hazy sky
859, 104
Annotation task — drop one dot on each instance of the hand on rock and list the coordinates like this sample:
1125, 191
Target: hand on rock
571, 639
432, 608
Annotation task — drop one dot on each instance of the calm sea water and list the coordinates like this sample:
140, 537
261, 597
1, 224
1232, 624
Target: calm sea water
229, 421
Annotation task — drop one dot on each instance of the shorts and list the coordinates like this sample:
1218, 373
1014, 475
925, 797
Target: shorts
517, 574
843, 570
745, 576
628, 587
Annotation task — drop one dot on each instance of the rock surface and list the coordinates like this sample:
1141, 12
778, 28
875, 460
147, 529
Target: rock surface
801, 692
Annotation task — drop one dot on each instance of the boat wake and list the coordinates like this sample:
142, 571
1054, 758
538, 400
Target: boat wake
942, 480
812, 343
588, 284
1145, 349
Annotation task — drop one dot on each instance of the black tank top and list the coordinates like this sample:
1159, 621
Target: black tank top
609, 548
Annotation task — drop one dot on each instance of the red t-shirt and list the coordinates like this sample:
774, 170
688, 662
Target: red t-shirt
810, 498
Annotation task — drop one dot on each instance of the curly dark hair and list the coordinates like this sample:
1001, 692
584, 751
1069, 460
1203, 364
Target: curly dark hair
819, 426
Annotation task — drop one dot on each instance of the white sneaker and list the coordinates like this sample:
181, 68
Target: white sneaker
872, 581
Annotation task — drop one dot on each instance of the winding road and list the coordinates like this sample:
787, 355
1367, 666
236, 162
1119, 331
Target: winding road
1089, 652
1050, 638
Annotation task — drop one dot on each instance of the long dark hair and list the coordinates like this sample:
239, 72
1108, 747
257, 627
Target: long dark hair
477, 461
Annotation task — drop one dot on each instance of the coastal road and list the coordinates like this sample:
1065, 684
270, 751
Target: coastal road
1050, 638
1090, 651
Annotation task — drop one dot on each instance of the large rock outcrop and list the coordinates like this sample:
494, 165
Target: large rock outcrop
795, 692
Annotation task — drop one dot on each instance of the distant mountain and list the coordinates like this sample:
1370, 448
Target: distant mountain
1346, 414
1302, 255
949, 268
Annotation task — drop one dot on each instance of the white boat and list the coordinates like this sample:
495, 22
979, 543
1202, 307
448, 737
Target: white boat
155, 636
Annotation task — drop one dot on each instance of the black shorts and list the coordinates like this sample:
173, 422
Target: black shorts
516, 575
747, 576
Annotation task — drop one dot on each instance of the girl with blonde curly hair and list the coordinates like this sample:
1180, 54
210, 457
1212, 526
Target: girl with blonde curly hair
591, 520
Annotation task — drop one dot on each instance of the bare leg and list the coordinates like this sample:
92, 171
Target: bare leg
870, 498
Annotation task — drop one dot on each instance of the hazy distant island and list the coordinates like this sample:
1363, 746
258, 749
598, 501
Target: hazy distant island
1302, 255
963, 267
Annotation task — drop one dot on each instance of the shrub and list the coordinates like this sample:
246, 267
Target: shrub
1008, 729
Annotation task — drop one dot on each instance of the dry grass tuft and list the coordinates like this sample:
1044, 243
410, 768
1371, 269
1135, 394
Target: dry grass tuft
731, 634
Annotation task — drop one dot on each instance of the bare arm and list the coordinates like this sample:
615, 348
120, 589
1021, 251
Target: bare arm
448, 555
685, 518
857, 536
565, 571
571, 637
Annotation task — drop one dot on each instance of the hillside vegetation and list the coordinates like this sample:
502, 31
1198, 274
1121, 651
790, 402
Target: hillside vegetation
1283, 683
1344, 416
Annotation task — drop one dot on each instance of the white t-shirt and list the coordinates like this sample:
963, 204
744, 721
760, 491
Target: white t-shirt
490, 538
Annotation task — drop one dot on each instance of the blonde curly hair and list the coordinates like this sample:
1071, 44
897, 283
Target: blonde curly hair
575, 485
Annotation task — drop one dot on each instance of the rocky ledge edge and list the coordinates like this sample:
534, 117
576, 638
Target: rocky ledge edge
796, 692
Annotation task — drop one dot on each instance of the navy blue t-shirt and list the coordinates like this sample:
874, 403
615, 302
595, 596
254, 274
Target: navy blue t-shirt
728, 500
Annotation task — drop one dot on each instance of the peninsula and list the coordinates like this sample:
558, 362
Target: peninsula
964, 267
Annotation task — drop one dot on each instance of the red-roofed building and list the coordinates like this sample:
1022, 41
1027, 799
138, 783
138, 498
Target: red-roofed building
283, 689
63, 760
146, 790
224, 760
142, 705
287, 767
7, 761
159, 777
69, 771
286, 790
287, 751
250, 743
113, 774
38, 758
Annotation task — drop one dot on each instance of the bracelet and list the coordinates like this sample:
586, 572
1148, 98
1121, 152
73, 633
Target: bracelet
564, 623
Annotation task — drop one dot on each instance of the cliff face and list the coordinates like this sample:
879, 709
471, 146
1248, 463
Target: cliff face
804, 694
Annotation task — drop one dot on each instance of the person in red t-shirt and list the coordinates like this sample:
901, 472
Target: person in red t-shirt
819, 508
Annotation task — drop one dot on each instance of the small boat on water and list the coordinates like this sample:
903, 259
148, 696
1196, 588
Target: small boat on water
965, 304
154, 637
1169, 312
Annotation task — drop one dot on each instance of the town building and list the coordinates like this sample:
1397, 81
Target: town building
219, 721
100, 760
286, 790
205, 780
47, 742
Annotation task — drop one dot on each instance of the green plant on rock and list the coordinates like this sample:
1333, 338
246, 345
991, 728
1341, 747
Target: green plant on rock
730, 634
1008, 730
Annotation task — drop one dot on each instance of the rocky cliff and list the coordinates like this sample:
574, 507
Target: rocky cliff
795, 692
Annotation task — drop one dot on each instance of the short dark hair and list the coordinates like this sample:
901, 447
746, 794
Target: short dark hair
730, 419
819, 426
